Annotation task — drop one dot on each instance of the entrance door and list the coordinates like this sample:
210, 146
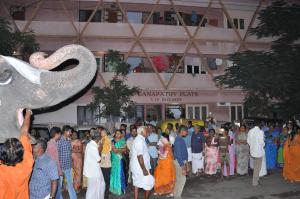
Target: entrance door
153, 112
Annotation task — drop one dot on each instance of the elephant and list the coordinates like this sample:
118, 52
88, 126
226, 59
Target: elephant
24, 85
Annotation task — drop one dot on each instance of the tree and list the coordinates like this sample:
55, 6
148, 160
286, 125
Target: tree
270, 78
12, 41
115, 98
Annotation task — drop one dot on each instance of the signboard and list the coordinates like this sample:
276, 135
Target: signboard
168, 96
186, 96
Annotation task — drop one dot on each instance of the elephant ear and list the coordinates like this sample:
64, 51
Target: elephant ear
5, 77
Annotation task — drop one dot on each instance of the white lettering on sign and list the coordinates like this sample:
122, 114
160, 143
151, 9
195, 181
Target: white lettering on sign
168, 96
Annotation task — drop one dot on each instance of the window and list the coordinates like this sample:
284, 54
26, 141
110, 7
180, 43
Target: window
198, 112
171, 18
189, 69
238, 23
139, 65
242, 26
175, 111
193, 65
154, 112
17, 12
211, 63
135, 17
87, 116
113, 16
156, 19
192, 69
139, 17
139, 111
84, 15
236, 112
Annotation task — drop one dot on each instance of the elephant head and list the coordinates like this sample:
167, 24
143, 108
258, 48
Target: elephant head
25, 86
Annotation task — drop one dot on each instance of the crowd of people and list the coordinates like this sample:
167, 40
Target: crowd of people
156, 160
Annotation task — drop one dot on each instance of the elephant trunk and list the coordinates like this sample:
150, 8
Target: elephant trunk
57, 86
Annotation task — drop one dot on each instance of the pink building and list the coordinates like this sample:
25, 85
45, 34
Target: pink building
174, 47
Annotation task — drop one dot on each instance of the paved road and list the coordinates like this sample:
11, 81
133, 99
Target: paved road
274, 187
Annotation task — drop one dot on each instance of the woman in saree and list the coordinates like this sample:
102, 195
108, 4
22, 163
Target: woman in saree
231, 149
211, 153
291, 151
282, 139
164, 172
117, 176
77, 159
242, 151
271, 138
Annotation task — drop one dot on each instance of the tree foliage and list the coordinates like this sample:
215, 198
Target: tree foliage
115, 98
11, 40
271, 77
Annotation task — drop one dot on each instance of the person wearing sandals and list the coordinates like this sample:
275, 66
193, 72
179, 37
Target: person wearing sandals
164, 173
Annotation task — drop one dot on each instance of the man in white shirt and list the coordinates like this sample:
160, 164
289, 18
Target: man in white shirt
92, 170
256, 142
140, 164
129, 141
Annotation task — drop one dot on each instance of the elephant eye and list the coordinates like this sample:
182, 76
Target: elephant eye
5, 77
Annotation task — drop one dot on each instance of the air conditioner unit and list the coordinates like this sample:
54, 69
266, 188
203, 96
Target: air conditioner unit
223, 103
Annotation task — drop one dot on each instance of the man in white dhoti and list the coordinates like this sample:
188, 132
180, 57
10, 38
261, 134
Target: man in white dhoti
92, 170
140, 164
256, 142
197, 143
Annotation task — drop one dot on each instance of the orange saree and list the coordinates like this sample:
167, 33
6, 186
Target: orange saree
291, 151
164, 173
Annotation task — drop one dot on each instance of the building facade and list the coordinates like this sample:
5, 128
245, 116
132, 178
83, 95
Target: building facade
174, 47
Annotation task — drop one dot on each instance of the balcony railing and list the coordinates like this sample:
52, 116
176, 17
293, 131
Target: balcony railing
123, 31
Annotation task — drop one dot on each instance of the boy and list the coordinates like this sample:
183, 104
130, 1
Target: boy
224, 141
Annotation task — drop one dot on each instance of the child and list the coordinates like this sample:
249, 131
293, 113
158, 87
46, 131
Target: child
224, 142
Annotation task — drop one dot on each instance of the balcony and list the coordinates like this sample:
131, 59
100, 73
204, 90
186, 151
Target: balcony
155, 38
182, 81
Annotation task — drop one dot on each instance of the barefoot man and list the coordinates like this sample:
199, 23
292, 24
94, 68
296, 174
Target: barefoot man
140, 164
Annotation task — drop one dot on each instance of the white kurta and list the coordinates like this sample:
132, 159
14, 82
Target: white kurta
92, 170
256, 141
139, 147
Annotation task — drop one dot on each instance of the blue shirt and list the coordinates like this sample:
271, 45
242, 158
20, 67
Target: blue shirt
180, 150
187, 139
44, 171
65, 153
191, 130
153, 137
197, 142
